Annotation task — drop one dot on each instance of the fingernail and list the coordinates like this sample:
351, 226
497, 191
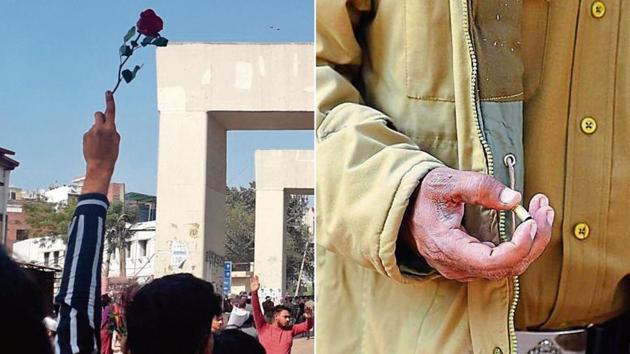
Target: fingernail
507, 196
532, 230
550, 215
544, 201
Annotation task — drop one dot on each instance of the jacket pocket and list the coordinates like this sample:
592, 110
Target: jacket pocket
428, 50
534, 26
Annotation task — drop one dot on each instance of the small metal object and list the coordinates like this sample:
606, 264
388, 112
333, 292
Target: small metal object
552, 342
522, 213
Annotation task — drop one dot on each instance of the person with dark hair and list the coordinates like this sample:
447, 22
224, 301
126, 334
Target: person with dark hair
172, 315
268, 306
22, 310
232, 341
239, 315
277, 337
106, 325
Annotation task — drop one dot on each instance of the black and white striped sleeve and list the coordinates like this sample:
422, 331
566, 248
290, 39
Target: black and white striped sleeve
79, 295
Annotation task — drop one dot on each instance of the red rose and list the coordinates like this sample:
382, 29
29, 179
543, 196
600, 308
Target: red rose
149, 23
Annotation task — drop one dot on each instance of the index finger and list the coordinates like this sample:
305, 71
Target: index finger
110, 109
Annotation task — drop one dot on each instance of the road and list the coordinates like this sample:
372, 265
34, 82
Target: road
303, 346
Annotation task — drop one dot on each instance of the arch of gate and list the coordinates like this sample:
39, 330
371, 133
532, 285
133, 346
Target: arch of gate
279, 173
204, 90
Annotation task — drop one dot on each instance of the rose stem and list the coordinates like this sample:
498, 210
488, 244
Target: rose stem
123, 64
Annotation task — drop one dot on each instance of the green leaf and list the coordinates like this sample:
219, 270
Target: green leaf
130, 33
124, 50
160, 42
127, 75
147, 40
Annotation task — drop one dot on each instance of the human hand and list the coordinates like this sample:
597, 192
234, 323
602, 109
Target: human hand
435, 230
254, 283
100, 149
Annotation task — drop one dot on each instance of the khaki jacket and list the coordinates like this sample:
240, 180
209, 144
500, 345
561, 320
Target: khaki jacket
404, 86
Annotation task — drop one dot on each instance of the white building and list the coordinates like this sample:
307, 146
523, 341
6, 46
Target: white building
62, 194
139, 255
6, 166
140, 251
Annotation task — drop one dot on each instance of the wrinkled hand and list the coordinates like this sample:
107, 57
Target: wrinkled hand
434, 226
254, 283
100, 149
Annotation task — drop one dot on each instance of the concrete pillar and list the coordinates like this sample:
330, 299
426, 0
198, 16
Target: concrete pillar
269, 255
191, 196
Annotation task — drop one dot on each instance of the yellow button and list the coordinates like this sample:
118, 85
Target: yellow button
598, 9
588, 125
581, 231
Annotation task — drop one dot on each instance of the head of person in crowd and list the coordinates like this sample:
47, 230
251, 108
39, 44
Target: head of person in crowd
217, 323
242, 303
281, 316
23, 311
51, 327
172, 315
232, 341
105, 300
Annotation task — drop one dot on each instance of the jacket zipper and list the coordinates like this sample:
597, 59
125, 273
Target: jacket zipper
490, 160
510, 161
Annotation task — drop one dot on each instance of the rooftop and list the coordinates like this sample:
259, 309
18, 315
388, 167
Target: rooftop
6, 162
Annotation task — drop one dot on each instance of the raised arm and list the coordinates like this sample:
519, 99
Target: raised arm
306, 325
79, 294
259, 318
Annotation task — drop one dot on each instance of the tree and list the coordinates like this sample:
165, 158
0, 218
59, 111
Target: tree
240, 216
48, 219
117, 235
299, 245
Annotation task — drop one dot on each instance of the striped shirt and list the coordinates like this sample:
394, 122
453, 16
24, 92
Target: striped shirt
79, 296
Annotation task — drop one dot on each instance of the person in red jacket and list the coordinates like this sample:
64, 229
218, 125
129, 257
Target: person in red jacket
277, 337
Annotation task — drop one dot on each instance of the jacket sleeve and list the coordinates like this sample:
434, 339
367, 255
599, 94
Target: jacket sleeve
366, 170
80, 291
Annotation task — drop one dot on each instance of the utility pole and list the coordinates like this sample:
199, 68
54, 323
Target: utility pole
297, 288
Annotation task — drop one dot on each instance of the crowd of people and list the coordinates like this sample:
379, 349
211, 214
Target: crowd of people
175, 314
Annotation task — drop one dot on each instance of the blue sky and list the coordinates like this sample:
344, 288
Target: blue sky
58, 58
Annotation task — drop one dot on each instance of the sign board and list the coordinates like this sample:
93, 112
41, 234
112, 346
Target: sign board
179, 254
215, 264
227, 277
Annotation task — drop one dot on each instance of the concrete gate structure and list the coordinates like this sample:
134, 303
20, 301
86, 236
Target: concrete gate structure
204, 90
279, 173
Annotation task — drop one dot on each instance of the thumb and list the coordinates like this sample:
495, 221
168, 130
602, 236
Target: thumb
478, 189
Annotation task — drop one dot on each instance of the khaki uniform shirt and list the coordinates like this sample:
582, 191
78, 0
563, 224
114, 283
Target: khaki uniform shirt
577, 148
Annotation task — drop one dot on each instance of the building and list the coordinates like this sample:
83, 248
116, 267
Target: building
241, 273
7, 165
139, 254
144, 206
17, 229
51, 252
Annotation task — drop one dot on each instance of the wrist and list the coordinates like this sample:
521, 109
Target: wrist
96, 182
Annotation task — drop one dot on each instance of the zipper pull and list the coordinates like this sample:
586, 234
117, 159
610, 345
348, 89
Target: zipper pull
510, 161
